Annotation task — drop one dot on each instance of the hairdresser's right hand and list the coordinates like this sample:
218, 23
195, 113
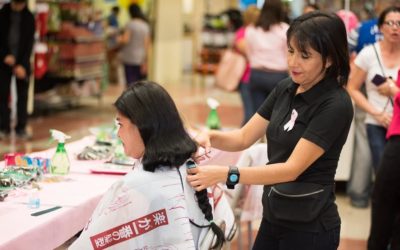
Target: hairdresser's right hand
203, 139
9, 60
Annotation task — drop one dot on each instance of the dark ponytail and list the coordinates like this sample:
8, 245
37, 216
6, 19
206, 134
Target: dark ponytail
204, 204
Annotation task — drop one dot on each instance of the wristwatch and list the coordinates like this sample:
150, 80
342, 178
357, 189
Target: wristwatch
233, 177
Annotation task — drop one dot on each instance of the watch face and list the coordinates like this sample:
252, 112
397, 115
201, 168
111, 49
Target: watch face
233, 178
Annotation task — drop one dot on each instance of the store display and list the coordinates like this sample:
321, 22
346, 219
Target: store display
216, 36
73, 66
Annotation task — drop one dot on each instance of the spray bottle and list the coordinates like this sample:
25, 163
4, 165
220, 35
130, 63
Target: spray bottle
213, 121
60, 162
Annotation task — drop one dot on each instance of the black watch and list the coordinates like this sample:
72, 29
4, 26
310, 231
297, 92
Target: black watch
233, 177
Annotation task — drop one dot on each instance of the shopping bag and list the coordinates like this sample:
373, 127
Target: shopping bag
230, 70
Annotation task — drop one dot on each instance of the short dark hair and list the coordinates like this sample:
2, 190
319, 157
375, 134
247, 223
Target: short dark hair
235, 18
167, 144
271, 13
149, 106
115, 9
385, 12
326, 34
19, 1
136, 12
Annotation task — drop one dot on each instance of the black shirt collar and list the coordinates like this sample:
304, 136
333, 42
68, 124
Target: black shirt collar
311, 95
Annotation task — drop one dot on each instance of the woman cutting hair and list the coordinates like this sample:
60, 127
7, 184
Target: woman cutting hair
306, 119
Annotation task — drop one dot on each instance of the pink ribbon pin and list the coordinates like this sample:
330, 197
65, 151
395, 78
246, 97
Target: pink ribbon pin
290, 124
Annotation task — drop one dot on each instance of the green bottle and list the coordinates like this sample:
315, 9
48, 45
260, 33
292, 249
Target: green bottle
60, 162
213, 121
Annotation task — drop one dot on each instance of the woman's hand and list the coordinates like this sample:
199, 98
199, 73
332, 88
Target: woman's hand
204, 140
383, 118
202, 177
386, 88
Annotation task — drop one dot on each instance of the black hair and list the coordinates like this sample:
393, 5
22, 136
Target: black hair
385, 12
19, 1
271, 13
149, 106
235, 18
326, 34
136, 12
152, 110
115, 9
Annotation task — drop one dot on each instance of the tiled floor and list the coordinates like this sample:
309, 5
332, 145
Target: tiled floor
190, 96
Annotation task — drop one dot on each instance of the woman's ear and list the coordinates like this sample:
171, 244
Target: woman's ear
328, 63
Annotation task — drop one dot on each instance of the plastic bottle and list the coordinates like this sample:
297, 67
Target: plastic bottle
33, 198
59, 163
213, 121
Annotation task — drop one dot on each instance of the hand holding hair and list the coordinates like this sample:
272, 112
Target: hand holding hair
203, 177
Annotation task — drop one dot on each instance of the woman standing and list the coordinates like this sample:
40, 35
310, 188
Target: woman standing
266, 51
381, 58
136, 44
303, 147
385, 212
250, 16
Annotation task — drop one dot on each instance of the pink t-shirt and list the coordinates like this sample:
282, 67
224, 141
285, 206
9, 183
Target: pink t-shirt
238, 36
267, 49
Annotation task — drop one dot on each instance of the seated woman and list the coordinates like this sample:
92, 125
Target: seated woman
153, 205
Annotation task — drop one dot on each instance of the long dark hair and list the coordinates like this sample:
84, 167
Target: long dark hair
149, 106
271, 13
326, 34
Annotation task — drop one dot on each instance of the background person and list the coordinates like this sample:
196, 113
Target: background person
385, 212
135, 46
303, 147
266, 51
17, 29
382, 58
359, 184
112, 32
250, 16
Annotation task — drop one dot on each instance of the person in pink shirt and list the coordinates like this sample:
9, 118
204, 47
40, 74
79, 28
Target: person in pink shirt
250, 16
266, 50
385, 212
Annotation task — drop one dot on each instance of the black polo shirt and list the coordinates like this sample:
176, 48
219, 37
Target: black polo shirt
324, 116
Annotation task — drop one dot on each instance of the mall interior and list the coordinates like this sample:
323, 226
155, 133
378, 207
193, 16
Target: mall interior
76, 89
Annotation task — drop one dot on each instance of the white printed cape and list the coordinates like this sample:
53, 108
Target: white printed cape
147, 210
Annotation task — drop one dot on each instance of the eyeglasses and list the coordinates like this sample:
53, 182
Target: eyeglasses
392, 23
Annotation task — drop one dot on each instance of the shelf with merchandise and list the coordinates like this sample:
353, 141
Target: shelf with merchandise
76, 54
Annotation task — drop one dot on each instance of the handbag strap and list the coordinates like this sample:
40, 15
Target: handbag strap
383, 73
379, 60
